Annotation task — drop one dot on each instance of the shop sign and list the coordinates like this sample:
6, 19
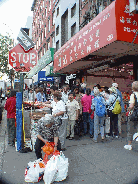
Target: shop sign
96, 34
49, 78
71, 76
43, 62
42, 76
126, 22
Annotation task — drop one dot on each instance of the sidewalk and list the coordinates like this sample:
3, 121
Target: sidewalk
89, 162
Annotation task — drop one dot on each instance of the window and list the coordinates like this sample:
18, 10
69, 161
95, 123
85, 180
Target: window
45, 32
39, 40
53, 18
57, 45
49, 25
46, 11
49, 5
43, 3
41, 37
57, 11
57, 30
73, 29
48, 45
73, 10
53, 42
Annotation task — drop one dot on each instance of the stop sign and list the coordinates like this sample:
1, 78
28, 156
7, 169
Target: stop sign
21, 60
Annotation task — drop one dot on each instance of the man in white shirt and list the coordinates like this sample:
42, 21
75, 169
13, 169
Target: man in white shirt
72, 111
65, 94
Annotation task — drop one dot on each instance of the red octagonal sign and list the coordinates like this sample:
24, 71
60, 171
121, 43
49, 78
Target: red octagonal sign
21, 60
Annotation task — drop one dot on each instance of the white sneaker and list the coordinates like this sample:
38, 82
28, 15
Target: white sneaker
129, 147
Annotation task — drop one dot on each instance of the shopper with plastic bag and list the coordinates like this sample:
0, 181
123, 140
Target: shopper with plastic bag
48, 129
56, 169
58, 110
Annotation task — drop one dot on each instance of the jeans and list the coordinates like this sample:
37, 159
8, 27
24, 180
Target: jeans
87, 119
97, 121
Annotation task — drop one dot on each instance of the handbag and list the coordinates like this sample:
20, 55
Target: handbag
134, 115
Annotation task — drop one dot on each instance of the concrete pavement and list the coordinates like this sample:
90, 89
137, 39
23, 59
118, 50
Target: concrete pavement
89, 162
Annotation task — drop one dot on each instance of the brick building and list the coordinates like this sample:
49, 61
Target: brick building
56, 21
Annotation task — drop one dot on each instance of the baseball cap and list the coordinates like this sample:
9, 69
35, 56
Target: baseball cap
115, 85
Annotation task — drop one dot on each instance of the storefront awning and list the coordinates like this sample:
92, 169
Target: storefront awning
107, 37
42, 63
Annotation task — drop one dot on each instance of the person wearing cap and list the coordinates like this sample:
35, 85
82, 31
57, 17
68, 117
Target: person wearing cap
113, 117
122, 106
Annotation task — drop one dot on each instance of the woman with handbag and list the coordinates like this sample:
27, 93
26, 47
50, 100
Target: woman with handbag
113, 116
132, 124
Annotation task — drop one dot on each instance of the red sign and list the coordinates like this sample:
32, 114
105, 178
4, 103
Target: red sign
96, 34
22, 61
126, 22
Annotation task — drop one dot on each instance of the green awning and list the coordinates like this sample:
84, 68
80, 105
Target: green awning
42, 63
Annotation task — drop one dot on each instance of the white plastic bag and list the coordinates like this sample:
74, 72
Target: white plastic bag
50, 171
107, 125
33, 173
62, 167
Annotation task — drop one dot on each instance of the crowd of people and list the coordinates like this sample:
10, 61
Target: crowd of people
86, 111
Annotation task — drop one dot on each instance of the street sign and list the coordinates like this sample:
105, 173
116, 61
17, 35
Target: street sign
22, 61
25, 40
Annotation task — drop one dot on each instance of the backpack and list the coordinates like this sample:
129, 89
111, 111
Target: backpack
117, 108
100, 107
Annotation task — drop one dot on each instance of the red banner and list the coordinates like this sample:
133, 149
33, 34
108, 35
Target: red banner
100, 32
126, 23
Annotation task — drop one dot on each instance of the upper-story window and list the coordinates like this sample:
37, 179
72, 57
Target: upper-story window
57, 11
53, 18
57, 30
73, 10
45, 32
49, 5
49, 25
46, 11
43, 3
73, 29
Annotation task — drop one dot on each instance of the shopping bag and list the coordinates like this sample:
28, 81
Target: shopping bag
34, 171
62, 167
50, 171
107, 125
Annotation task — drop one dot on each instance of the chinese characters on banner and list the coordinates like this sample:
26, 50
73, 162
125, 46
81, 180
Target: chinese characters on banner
127, 23
95, 35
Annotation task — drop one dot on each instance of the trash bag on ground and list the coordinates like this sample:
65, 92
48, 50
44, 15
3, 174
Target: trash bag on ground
34, 171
